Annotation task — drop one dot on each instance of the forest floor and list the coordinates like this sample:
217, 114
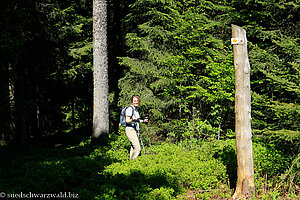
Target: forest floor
75, 168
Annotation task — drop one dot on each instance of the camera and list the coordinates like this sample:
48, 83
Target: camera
147, 119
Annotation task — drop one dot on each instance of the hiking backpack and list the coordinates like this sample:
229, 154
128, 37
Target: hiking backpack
123, 115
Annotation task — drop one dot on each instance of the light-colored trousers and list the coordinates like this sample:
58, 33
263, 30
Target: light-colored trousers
135, 144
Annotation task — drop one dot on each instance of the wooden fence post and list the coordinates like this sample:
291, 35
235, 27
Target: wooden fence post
245, 170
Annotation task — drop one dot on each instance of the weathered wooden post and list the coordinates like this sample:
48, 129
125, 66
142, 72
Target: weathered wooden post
245, 170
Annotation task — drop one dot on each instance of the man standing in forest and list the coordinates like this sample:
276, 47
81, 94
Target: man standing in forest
132, 126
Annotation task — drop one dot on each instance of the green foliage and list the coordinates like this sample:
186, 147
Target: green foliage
177, 65
269, 161
205, 170
275, 93
274, 58
185, 130
274, 170
164, 175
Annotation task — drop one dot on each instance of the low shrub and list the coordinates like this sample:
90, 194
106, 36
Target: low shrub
270, 165
203, 169
168, 173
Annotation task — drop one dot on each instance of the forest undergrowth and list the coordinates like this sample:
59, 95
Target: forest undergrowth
190, 169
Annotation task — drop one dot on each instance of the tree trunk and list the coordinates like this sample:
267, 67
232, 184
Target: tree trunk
4, 102
100, 56
245, 187
20, 131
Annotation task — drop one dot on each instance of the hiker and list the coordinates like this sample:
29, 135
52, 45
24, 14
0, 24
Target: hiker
132, 126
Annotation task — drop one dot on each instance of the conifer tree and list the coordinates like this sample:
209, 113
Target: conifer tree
179, 58
176, 62
100, 56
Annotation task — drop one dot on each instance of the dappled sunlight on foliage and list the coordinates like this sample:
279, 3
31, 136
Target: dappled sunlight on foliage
174, 171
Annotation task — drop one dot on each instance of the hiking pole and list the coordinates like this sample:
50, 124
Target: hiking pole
148, 136
138, 132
